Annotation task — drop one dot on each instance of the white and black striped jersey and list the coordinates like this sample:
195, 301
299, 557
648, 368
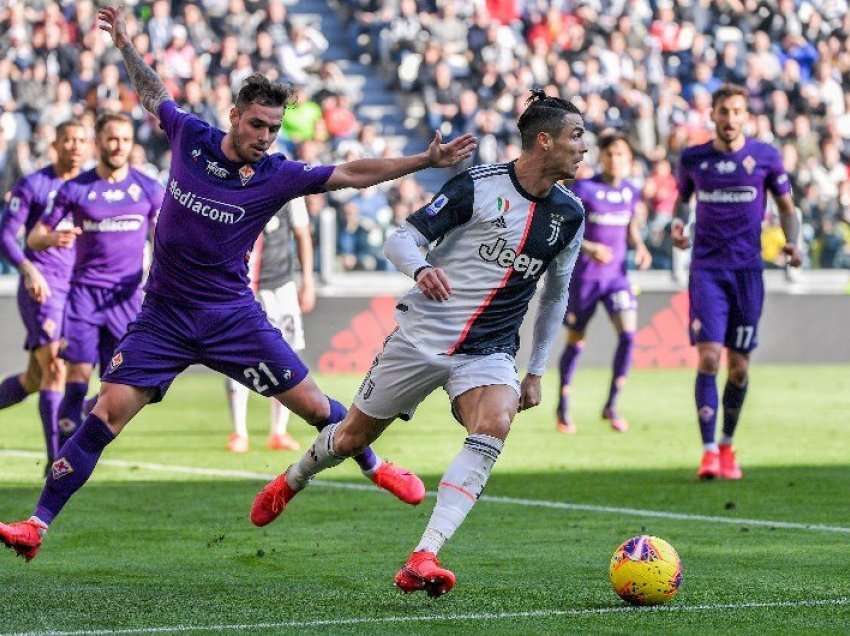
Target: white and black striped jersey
494, 241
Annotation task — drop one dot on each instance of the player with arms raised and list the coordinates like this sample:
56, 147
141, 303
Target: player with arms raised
611, 202
730, 177
45, 280
496, 229
199, 309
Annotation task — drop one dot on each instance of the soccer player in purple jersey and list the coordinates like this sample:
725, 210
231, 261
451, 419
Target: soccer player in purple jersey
114, 206
729, 177
45, 279
222, 190
494, 230
611, 203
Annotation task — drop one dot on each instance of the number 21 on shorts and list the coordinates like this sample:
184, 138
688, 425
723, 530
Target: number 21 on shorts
256, 377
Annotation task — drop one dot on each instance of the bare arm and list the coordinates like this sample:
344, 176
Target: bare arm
363, 173
791, 228
42, 237
149, 87
643, 259
304, 250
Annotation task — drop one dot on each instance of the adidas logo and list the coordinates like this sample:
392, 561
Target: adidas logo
354, 348
500, 222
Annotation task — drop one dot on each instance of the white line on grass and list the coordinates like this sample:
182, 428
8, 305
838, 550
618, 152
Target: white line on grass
480, 616
511, 501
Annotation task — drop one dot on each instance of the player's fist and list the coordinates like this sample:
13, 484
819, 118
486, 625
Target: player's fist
433, 284
677, 235
529, 392
795, 256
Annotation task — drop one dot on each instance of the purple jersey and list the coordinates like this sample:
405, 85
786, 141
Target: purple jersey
115, 219
30, 197
730, 190
609, 210
214, 210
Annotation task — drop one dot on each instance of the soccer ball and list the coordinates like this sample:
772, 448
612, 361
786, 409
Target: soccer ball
646, 570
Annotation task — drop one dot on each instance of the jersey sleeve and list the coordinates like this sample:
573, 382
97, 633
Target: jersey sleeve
14, 218
298, 178
297, 211
175, 121
777, 179
156, 195
61, 206
451, 208
684, 180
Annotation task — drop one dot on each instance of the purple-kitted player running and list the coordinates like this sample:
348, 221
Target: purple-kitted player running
45, 280
730, 177
199, 309
611, 203
114, 207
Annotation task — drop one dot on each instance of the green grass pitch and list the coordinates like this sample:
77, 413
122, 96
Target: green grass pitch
153, 549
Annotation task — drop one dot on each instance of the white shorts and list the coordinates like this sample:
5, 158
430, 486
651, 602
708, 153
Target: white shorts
403, 375
281, 307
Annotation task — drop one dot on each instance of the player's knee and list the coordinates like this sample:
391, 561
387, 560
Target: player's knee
493, 424
31, 380
709, 361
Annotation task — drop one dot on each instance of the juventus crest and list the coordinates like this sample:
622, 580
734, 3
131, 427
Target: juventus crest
555, 223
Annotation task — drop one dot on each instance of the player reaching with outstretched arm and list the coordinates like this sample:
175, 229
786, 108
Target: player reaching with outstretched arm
611, 203
45, 280
497, 229
730, 177
222, 190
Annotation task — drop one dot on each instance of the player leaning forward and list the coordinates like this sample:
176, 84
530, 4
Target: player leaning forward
497, 229
199, 309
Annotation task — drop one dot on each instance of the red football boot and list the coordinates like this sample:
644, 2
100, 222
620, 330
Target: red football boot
423, 572
271, 501
709, 468
400, 482
23, 537
729, 468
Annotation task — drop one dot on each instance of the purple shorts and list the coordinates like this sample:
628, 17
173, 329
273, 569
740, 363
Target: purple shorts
615, 293
96, 318
726, 307
237, 341
43, 321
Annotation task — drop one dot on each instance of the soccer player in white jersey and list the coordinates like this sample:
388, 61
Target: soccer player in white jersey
494, 231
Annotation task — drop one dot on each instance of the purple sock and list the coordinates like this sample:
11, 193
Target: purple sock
367, 459
706, 398
567, 365
77, 459
11, 391
622, 362
71, 409
733, 400
48, 408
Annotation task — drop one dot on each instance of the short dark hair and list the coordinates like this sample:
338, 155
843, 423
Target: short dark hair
65, 125
543, 113
107, 117
610, 137
726, 91
258, 89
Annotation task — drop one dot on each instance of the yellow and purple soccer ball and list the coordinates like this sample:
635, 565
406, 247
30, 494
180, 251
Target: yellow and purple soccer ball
646, 570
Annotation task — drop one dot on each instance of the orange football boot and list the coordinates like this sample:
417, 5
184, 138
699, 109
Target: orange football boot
423, 572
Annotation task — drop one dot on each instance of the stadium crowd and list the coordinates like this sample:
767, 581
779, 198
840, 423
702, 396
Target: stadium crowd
647, 67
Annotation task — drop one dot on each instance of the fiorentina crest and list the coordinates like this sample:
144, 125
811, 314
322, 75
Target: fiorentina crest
117, 359
245, 174
60, 468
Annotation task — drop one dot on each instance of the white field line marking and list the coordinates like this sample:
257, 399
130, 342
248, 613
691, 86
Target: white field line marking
511, 501
482, 616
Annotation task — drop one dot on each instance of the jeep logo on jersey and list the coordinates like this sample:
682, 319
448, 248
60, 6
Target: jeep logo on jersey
741, 194
123, 223
438, 204
506, 257
218, 211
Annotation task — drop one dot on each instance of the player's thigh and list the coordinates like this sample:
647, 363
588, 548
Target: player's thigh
281, 306
401, 376
487, 410
245, 346
155, 349
747, 301
581, 305
621, 305
494, 375
709, 305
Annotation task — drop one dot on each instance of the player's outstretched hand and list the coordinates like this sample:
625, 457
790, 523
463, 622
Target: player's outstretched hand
643, 259
112, 21
529, 392
442, 155
433, 283
677, 235
795, 256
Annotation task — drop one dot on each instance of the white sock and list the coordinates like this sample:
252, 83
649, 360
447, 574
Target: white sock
460, 487
318, 457
280, 418
725, 441
710, 447
237, 399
